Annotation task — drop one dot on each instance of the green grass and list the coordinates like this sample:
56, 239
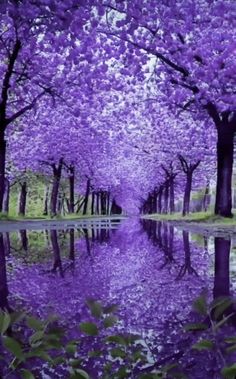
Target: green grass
199, 217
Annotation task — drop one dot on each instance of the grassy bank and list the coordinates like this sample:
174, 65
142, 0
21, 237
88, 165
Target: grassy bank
198, 217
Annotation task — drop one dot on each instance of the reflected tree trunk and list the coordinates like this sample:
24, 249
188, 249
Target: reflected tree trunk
222, 260
3, 278
72, 245
56, 252
24, 240
86, 235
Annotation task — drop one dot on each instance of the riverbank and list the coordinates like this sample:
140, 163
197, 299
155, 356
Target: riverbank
62, 223
205, 223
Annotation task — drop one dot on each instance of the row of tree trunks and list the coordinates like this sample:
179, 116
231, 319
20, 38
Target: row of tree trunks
100, 203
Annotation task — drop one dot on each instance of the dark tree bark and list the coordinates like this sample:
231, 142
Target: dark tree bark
7, 244
187, 193
93, 203
222, 260
108, 203
103, 202
115, 208
6, 196
188, 169
166, 198
86, 197
57, 170
22, 199
225, 150
172, 195
160, 199
72, 189
80, 205
97, 203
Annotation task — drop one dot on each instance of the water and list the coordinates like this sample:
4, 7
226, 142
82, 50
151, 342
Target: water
151, 270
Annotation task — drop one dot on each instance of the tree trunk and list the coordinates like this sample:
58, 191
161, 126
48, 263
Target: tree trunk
166, 198
46, 196
3, 278
160, 200
225, 149
205, 201
187, 192
2, 168
92, 203
97, 203
22, 199
72, 189
108, 203
172, 196
103, 202
86, 197
55, 188
6, 197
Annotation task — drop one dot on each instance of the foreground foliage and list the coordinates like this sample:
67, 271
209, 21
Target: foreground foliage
28, 342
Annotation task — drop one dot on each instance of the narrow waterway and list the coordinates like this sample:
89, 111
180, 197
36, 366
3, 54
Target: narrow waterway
151, 270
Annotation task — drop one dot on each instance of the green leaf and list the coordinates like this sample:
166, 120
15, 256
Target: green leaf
95, 308
83, 374
221, 307
230, 339
200, 305
14, 347
79, 374
75, 362
95, 353
89, 328
223, 321
36, 338
71, 347
40, 353
110, 321
110, 309
5, 320
152, 376
231, 348
203, 345
116, 339
196, 326
123, 373
229, 372
118, 353
26, 374
35, 324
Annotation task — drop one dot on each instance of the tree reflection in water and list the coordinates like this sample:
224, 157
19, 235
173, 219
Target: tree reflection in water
152, 271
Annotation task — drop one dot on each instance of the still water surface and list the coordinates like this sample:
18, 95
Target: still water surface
151, 270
